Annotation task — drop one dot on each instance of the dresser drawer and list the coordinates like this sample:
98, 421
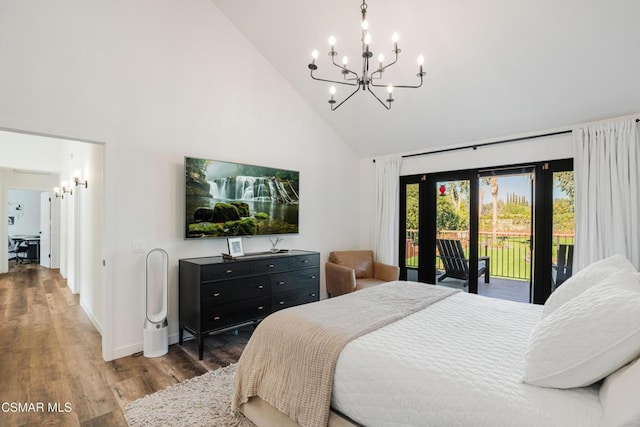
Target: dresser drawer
238, 269
291, 280
224, 315
226, 291
293, 298
304, 261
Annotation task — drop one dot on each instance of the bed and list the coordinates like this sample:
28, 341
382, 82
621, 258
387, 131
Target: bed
456, 361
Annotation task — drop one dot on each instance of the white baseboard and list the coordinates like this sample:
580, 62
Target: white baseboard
92, 318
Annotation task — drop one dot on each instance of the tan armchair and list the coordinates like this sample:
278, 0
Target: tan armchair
348, 271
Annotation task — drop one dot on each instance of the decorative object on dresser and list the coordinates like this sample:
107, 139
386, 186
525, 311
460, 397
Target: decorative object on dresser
348, 271
235, 246
219, 294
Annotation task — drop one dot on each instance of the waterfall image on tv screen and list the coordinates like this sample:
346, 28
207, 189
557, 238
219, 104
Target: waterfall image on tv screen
232, 199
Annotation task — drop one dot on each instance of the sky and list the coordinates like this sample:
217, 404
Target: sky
516, 184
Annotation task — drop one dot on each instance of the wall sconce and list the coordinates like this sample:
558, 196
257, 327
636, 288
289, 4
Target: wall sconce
76, 179
57, 193
65, 190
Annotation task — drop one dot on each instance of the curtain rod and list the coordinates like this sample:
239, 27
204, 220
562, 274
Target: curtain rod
486, 144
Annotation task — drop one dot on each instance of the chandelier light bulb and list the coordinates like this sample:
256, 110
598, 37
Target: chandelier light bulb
390, 89
314, 55
381, 59
367, 39
395, 37
345, 61
365, 25
332, 41
421, 60
332, 90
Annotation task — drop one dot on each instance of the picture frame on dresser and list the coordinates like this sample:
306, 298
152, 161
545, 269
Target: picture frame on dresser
235, 247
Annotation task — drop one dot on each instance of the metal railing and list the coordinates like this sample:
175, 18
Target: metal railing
510, 253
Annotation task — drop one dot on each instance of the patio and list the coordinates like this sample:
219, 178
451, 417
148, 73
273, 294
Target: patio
498, 287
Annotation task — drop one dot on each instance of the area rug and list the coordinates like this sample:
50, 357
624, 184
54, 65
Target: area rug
200, 401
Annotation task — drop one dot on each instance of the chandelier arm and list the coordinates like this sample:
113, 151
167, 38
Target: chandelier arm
380, 70
401, 86
342, 67
346, 99
379, 100
333, 81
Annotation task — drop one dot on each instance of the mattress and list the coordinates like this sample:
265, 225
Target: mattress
459, 362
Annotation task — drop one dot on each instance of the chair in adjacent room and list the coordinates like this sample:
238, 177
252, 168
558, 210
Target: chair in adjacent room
11, 250
564, 268
348, 271
456, 264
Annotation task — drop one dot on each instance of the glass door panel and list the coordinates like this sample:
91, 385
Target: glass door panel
563, 227
412, 228
452, 234
505, 234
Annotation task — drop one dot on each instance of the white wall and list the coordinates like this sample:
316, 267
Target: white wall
24, 207
155, 81
26, 152
83, 237
534, 150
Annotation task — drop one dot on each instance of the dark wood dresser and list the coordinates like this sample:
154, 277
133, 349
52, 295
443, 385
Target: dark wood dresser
218, 294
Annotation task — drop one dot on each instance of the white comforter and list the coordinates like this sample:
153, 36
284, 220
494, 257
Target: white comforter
456, 363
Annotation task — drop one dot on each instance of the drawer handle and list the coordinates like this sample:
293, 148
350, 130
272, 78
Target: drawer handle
313, 277
271, 265
313, 295
305, 261
261, 307
280, 283
228, 271
281, 303
260, 287
217, 294
216, 317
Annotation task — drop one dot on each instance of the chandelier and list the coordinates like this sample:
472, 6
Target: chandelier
367, 78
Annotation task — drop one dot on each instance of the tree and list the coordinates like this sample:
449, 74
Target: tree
447, 217
412, 207
565, 183
494, 222
459, 191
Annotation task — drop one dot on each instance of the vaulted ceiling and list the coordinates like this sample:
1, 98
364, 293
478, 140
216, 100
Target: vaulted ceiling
494, 67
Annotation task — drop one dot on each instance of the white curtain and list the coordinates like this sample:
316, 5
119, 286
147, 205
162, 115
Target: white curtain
607, 182
385, 235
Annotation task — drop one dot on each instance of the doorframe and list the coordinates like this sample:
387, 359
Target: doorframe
542, 212
543, 230
428, 192
106, 247
6, 177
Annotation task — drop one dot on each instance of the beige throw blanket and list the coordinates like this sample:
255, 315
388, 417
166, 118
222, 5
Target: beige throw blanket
291, 357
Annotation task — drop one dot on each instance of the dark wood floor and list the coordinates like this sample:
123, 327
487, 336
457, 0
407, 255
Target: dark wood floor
50, 353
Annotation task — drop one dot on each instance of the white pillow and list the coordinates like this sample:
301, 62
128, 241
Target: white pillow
588, 337
619, 397
584, 279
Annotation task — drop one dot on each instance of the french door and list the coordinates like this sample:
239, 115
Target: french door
494, 232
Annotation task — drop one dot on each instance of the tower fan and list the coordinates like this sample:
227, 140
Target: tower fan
156, 331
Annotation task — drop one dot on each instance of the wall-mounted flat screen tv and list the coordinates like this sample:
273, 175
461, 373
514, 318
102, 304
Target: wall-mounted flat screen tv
232, 199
